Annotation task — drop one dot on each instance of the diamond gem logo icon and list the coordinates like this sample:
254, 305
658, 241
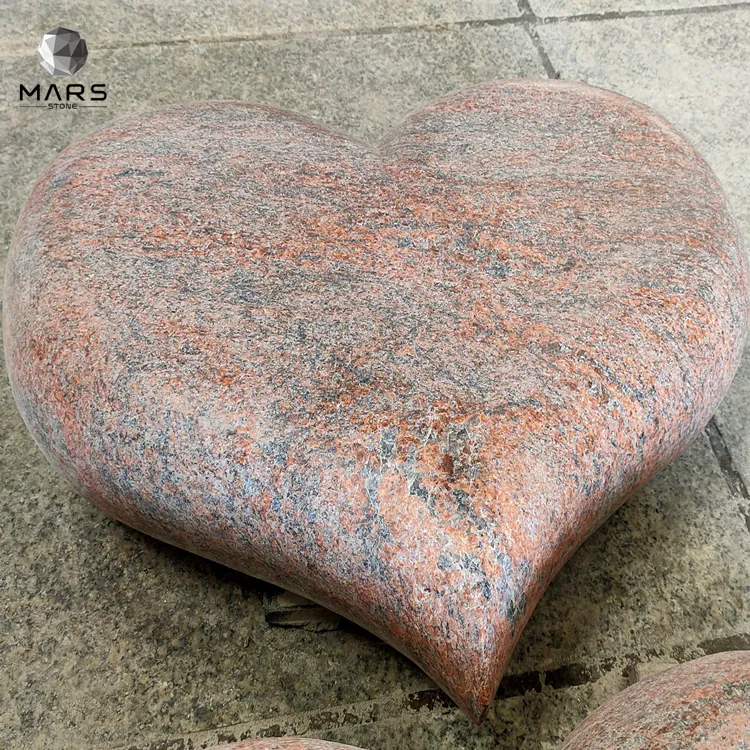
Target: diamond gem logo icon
62, 52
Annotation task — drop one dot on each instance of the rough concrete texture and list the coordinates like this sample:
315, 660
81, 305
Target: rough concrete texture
407, 383
287, 744
551, 11
112, 640
172, 21
732, 430
702, 705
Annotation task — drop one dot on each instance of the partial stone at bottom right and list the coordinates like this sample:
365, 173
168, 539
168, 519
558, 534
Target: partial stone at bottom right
701, 705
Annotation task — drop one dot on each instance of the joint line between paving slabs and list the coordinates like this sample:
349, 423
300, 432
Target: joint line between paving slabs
726, 465
530, 19
527, 18
322, 33
392, 706
615, 15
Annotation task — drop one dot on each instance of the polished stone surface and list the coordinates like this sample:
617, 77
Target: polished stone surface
691, 68
701, 705
406, 383
361, 84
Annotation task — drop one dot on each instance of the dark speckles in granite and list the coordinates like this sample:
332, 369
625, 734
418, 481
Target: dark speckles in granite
405, 383
701, 705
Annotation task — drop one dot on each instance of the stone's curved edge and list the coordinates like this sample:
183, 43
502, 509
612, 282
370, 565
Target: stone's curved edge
475, 701
287, 743
702, 705
444, 103
392, 143
541, 84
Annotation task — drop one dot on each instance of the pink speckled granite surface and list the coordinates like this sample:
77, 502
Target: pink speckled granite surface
701, 705
406, 382
294, 743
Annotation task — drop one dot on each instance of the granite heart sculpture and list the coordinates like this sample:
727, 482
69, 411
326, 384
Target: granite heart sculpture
406, 381
701, 705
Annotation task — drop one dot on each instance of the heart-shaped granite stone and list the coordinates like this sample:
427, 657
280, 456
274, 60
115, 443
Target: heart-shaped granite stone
701, 705
405, 382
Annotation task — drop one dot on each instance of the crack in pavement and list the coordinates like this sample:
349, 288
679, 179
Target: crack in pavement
432, 700
15, 48
732, 477
530, 20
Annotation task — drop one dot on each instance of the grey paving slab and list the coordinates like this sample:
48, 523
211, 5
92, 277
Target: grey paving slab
551, 9
693, 69
733, 423
666, 575
539, 718
108, 23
